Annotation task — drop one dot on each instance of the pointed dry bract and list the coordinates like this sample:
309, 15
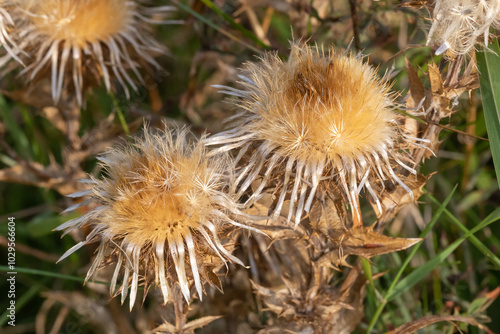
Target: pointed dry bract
162, 207
309, 304
80, 43
322, 121
7, 27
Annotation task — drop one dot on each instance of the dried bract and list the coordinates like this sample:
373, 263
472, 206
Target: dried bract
321, 121
87, 41
7, 26
308, 304
162, 204
458, 25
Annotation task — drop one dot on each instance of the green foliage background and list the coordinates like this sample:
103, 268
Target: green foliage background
445, 274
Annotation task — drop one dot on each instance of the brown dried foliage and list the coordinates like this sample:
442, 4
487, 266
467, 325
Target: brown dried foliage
303, 280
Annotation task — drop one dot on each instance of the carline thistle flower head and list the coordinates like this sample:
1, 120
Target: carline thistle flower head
321, 120
7, 25
87, 41
161, 210
458, 25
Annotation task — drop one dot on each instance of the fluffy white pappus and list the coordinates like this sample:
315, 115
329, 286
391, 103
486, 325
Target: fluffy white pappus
320, 121
162, 215
459, 25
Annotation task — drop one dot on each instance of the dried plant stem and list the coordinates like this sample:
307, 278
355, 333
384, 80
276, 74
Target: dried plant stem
266, 23
30, 251
179, 305
214, 26
354, 17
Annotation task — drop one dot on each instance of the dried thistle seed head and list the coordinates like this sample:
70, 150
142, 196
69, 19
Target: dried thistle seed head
81, 43
308, 303
162, 208
320, 119
7, 27
458, 25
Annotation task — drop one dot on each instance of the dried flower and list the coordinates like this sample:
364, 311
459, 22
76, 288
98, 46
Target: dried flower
318, 120
87, 40
307, 303
7, 24
161, 204
458, 25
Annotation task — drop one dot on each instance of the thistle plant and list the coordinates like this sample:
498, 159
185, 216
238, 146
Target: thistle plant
316, 141
161, 208
320, 124
458, 25
7, 25
81, 43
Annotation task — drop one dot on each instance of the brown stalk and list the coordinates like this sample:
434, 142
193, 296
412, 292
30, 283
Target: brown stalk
352, 4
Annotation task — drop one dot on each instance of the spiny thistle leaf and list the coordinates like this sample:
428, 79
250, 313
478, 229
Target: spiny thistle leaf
365, 242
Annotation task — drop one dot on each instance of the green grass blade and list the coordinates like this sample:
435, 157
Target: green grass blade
215, 27
368, 271
120, 114
414, 250
474, 240
25, 298
422, 271
371, 293
22, 143
489, 67
235, 25
47, 274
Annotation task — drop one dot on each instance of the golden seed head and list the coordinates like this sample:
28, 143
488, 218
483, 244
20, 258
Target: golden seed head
319, 119
316, 104
82, 43
159, 188
162, 204
8, 33
80, 22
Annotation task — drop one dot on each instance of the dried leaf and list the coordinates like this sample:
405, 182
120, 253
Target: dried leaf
334, 260
309, 304
198, 323
438, 90
393, 201
89, 310
416, 87
54, 116
437, 87
35, 174
166, 327
363, 241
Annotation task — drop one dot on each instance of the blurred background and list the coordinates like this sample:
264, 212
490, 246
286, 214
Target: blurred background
46, 148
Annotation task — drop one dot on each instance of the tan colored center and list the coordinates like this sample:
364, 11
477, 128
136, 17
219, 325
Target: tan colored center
152, 215
80, 21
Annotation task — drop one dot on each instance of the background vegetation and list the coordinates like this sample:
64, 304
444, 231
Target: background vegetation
45, 149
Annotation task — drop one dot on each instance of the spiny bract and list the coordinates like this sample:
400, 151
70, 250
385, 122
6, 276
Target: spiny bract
87, 40
7, 26
320, 119
161, 204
